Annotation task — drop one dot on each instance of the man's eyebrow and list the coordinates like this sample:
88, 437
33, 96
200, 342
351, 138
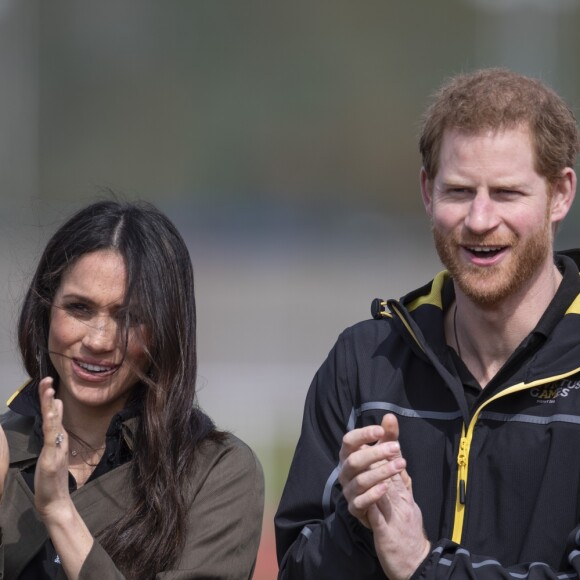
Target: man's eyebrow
465, 185
511, 185
454, 184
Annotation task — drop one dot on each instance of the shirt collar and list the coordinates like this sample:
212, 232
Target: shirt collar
26, 402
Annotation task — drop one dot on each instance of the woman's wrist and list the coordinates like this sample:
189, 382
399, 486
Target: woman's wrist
70, 536
60, 513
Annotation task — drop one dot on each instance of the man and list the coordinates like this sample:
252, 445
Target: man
442, 438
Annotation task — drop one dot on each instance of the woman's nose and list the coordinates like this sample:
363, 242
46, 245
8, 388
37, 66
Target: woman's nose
101, 334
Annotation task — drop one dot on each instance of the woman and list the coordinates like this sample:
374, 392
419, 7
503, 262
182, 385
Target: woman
114, 471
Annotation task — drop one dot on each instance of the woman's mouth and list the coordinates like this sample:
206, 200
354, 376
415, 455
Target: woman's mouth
94, 370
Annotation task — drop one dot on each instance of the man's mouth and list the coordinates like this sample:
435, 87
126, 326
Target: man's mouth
484, 251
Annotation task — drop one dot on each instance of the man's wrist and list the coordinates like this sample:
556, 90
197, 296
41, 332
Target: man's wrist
426, 550
406, 570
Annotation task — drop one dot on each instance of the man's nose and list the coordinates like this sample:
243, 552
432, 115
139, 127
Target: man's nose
482, 215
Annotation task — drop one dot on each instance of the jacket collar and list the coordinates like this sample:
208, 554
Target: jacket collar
418, 318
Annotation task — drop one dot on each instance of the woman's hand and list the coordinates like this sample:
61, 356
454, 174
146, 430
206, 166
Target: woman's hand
4, 460
68, 532
51, 492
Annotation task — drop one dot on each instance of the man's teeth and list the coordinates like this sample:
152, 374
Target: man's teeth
93, 368
485, 249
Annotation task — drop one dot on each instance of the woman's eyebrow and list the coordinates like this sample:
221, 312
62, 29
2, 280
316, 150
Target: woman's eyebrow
88, 301
76, 296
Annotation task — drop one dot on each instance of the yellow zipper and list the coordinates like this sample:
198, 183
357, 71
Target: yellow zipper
467, 433
462, 462
465, 445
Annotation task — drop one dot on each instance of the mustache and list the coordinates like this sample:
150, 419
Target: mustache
484, 240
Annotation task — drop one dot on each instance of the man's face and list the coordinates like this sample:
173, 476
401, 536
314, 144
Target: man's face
491, 213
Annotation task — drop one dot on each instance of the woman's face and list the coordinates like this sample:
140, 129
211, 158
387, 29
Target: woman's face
96, 361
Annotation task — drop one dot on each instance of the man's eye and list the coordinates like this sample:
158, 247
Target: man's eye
451, 191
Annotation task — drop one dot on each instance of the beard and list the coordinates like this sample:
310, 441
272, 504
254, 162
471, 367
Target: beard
488, 286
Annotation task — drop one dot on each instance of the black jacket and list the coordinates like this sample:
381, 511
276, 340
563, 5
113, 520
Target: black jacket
497, 481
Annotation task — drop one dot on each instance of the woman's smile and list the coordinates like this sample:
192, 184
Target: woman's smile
93, 371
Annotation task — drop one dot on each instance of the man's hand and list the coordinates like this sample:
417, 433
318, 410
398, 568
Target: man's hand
379, 493
369, 457
397, 525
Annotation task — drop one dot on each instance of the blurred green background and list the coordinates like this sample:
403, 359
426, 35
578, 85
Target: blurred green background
281, 139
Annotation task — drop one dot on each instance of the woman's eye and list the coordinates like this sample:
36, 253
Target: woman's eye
134, 320
77, 309
129, 318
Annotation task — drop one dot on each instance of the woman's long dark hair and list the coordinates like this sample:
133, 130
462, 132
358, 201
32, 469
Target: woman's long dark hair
150, 536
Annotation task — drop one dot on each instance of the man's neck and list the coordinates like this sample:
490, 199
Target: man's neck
485, 336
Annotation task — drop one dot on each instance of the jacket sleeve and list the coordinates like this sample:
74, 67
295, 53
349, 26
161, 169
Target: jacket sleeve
449, 561
316, 537
225, 522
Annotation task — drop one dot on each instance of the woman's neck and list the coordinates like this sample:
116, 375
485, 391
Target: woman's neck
90, 425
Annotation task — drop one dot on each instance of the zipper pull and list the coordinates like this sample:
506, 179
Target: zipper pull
462, 462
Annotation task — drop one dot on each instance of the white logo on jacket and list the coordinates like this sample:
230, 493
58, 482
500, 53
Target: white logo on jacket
549, 393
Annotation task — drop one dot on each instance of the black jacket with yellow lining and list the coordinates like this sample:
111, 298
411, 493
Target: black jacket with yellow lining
497, 481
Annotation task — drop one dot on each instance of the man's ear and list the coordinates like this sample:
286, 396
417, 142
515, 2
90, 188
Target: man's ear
563, 193
426, 191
